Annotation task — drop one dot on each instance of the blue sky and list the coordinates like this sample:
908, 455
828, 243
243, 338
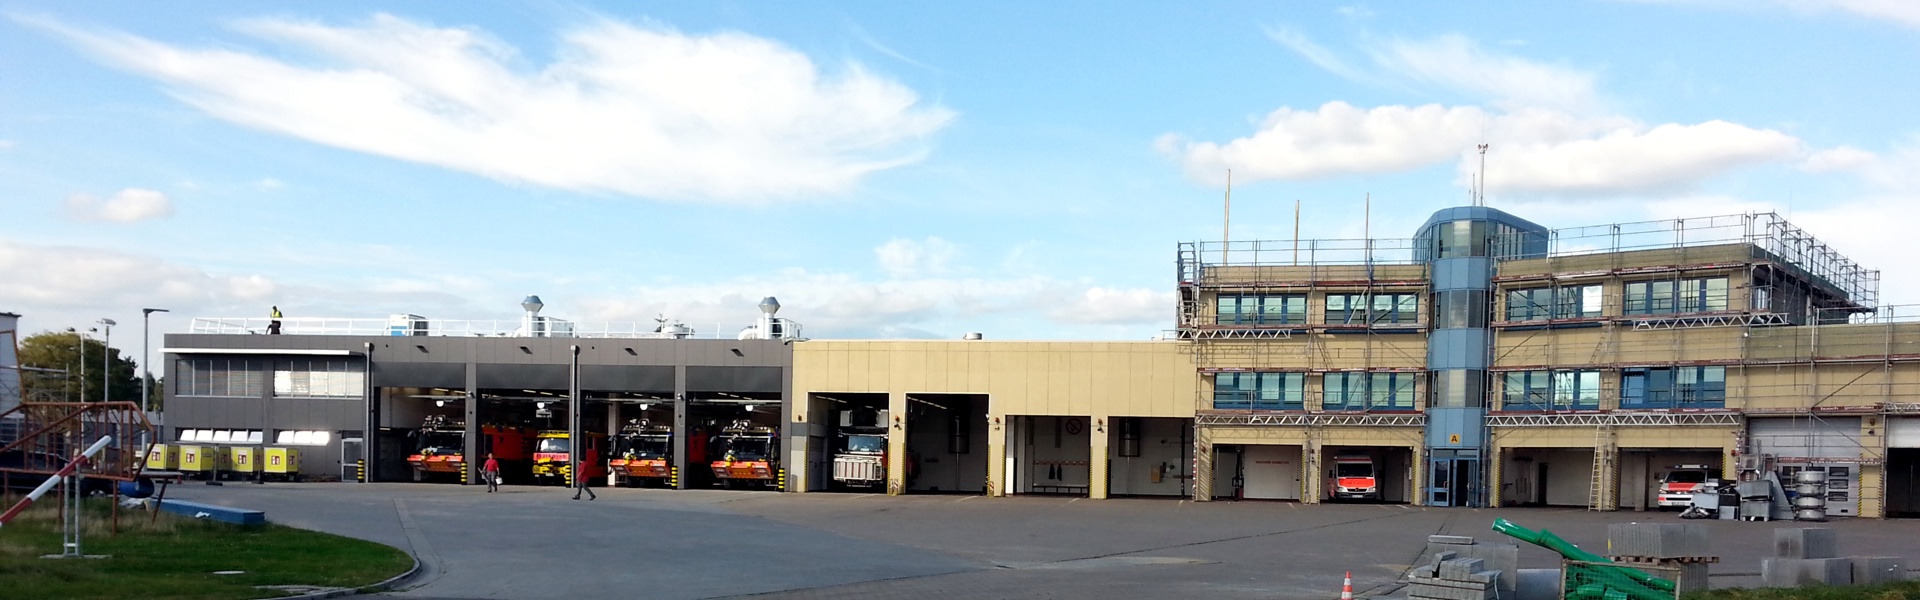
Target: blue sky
1019, 169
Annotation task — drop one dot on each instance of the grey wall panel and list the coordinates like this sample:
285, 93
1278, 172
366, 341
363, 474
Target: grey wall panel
1825, 437
1457, 349
414, 374
633, 379
1444, 423
1465, 273
734, 379
530, 377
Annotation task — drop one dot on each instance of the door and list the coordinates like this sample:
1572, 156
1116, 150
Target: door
351, 452
1270, 472
1440, 482
1226, 473
1455, 482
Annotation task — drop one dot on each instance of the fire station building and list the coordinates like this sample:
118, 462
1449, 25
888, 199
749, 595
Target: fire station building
1484, 361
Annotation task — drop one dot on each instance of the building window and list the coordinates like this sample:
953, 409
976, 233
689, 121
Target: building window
1359, 390
1550, 390
1682, 296
1364, 309
1460, 309
302, 378
1259, 391
1553, 303
1261, 309
1673, 387
1460, 238
1459, 388
219, 377
221, 436
302, 438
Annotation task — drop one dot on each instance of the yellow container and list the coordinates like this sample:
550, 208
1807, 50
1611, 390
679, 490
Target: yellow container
199, 459
244, 459
164, 457
283, 460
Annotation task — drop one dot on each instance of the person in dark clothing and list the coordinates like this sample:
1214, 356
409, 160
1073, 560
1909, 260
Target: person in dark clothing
273, 327
491, 471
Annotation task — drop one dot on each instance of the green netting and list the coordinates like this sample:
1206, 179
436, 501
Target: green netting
1612, 581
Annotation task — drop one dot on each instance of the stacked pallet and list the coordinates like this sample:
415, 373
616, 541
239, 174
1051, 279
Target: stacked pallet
1681, 548
1450, 578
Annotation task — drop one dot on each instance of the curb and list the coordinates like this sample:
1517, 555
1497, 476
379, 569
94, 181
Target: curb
389, 584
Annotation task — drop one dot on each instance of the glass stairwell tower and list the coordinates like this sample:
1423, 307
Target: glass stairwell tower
1461, 247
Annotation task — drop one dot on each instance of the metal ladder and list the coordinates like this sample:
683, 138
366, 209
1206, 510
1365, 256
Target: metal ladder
1600, 492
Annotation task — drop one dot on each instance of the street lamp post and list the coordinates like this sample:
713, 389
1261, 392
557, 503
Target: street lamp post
146, 372
80, 339
106, 361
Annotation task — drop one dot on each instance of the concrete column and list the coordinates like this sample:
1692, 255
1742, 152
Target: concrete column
680, 425
1419, 491
896, 443
1312, 475
613, 429
470, 474
1202, 465
1097, 462
1496, 472
998, 430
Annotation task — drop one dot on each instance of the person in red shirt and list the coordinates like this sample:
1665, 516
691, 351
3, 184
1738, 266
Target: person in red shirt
491, 471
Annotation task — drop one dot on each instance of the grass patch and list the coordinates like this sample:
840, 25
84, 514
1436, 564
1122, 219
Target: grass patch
1903, 590
175, 557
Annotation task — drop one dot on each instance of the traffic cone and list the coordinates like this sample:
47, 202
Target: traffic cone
1346, 589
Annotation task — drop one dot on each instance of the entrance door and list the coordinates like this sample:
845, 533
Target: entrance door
1270, 472
1227, 477
1455, 482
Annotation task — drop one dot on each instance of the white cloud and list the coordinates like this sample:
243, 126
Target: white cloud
908, 258
1841, 158
269, 185
1636, 159
6, 144
638, 110
126, 206
1101, 305
1457, 62
1336, 139
49, 278
1901, 12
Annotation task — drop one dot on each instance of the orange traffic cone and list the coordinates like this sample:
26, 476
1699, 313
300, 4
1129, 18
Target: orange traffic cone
1346, 589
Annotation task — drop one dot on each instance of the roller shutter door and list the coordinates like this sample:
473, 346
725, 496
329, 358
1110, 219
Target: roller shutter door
1903, 433
1825, 437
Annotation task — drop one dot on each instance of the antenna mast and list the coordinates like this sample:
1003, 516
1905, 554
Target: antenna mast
1480, 195
1226, 220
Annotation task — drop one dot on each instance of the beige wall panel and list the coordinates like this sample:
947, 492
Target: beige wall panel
1255, 435
1544, 437
1032, 378
1622, 260
1675, 437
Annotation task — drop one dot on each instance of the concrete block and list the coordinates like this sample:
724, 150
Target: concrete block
1486, 577
1869, 570
1502, 557
1450, 540
1658, 540
1693, 577
1460, 568
1806, 542
1797, 572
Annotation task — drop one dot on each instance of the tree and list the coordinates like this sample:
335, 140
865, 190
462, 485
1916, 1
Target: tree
59, 376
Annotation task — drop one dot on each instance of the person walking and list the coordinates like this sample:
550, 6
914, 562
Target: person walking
273, 327
585, 484
491, 471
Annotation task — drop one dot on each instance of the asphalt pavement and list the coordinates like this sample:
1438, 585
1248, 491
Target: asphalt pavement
531, 542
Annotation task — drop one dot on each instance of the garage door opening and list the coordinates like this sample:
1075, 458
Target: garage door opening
1148, 457
946, 443
1050, 455
1366, 474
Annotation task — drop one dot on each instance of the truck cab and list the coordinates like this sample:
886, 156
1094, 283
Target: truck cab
1677, 486
551, 455
439, 449
745, 454
643, 454
861, 459
1354, 477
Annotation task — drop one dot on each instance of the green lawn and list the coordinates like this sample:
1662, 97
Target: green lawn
1905, 590
176, 558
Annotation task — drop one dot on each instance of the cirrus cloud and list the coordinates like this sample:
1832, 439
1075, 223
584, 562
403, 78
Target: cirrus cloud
626, 109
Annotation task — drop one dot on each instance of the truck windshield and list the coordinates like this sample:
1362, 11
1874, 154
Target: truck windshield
746, 448
443, 442
1355, 470
1687, 477
552, 445
649, 446
876, 444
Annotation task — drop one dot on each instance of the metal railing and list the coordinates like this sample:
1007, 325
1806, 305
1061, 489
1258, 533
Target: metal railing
468, 328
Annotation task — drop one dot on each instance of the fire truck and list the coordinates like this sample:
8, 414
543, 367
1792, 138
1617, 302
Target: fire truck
1678, 485
745, 455
440, 449
643, 454
862, 459
550, 456
1354, 477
